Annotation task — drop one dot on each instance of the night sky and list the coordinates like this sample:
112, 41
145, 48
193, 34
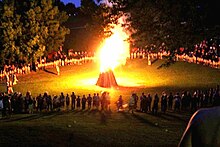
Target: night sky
76, 2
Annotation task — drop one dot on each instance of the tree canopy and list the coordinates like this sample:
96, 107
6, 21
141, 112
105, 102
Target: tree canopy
177, 23
30, 29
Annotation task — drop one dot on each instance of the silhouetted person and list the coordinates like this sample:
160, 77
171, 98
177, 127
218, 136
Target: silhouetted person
78, 102
67, 101
149, 100
83, 102
163, 102
155, 104
143, 103
132, 103
73, 100
89, 100
119, 103
170, 101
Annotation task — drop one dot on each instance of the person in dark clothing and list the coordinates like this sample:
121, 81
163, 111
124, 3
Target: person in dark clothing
78, 102
143, 103
177, 102
83, 102
6, 106
49, 103
119, 103
67, 101
163, 102
40, 102
155, 104
170, 101
73, 100
194, 102
216, 97
149, 100
103, 101
62, 99
89, 100
1, 102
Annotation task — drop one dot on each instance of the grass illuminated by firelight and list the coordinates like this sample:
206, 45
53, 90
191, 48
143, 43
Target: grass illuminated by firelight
94, 128
135, 76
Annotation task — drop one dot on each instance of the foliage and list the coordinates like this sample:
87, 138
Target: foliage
31, 29
11, 31
177, 23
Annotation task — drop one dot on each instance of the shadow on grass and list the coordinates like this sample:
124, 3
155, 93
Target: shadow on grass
50, 72
169, 116
93, 111
29, 117
84, 111
104, 116
176, 117
139, 118
155, 60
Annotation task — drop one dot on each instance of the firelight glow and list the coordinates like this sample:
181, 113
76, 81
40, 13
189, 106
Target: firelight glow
115, 50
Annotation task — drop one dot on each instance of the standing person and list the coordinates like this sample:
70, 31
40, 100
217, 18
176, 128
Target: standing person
155, 104
149, 100
40, 102
73, 100
94, 98
177, 102
216, 96
119, 103
27, 102
163, 102
49, 102
57, 67
9, 81
89, 100
62, 99
67, 101
170, 101
83, 102
108, 101
34, 104
5, 102
143, 102
56, 103
103, 101
135, 100
97, 101
31, 106
78, 102
1, 102
131, 103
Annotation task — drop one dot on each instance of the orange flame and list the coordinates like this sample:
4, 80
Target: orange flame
115, 50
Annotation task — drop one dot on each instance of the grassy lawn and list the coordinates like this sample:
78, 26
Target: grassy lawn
94, 128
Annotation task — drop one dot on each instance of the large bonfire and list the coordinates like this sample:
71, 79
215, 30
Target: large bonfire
113, 52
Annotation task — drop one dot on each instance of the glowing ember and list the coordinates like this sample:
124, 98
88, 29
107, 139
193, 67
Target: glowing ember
114, 50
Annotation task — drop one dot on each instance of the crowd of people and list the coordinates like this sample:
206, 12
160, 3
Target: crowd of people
185, 101
207, 52
18, 103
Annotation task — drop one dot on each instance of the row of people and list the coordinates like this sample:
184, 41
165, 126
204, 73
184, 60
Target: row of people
18, 103
178, 102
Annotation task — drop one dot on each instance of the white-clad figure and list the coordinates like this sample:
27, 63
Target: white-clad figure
57, 67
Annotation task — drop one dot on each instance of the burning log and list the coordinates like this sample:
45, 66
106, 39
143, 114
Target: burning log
107, 79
